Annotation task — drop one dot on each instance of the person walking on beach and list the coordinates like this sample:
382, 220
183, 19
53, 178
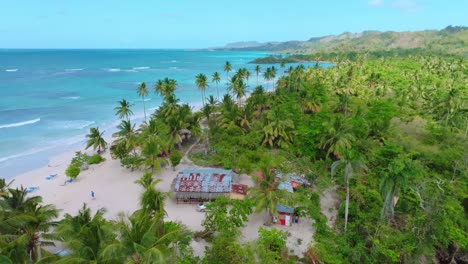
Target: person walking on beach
92, 195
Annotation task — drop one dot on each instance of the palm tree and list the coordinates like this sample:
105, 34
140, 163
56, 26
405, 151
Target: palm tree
338, 137
123, 110
142, 92
202, 84
282, 66
127, 135
165, 87
278, 129
227, 69
396, 177
85, 237
257, 71
273, 74
152, 200
95, 139
238, 87
216, 79
267, 195
267, 75
25, 225
351, 163
151, 150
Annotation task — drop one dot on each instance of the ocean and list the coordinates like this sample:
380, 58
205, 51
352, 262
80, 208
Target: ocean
50, 98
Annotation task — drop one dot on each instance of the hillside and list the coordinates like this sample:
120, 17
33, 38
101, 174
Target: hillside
450, 41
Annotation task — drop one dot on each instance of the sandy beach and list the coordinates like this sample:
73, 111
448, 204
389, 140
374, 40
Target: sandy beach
115, 190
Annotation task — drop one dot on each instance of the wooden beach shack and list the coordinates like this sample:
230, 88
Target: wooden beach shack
285, 213
199, 185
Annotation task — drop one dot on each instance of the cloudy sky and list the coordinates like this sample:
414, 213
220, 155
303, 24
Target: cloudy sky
209, 23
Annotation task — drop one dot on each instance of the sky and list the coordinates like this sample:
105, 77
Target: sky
209, 23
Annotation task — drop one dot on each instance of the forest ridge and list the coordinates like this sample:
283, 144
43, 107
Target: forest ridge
451, 40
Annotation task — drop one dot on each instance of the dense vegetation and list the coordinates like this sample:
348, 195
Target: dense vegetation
449, 41
389, 134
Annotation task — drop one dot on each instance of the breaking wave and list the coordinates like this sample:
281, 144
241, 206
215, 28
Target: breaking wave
24, 123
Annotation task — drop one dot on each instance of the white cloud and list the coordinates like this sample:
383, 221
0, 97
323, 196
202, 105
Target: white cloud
402, 5
407, 5
376, 2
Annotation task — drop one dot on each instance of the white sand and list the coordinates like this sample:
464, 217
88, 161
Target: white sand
116, 191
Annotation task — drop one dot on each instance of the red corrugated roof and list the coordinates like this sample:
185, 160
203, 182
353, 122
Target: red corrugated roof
208, 181
239, 188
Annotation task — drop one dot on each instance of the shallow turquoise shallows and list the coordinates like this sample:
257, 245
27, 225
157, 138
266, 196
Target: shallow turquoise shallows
50, 98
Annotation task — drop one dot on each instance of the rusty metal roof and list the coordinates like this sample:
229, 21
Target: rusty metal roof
204, 180
239, 188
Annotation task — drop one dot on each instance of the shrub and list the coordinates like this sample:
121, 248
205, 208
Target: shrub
96, 159
72, 171
175, 158
81, 160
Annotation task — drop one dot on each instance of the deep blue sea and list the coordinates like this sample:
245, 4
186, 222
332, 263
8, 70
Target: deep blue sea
50, 98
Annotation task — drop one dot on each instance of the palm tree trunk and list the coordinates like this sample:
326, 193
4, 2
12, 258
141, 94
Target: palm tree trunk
217, 90
144, 107
346, 206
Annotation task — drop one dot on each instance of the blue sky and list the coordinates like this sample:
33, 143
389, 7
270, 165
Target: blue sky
208, 23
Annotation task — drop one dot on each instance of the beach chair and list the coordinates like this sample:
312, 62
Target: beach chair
50, 177
31, 189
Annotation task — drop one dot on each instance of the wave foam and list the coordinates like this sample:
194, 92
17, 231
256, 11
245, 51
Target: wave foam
25, 153
11, 70
141, 68
28, 122
71, 97
73, 70
113, 70
72, 125
173, 68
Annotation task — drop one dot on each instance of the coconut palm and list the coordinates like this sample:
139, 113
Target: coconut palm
84, 236
278, 129
257, 71
25, 226
273, 74
142, 92
202, 83
165, 87
150, 151
338, 137
126, 135
123, 109
152, 200
227, 69
282, 66
95, 139
351, 163
216, 79
267, 195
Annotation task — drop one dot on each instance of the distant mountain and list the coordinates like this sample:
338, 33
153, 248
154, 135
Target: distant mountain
451, 40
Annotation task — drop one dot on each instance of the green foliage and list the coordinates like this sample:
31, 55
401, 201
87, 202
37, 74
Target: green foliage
175, 158
81, 160
72, 171
96, 159
227, 221
273, 241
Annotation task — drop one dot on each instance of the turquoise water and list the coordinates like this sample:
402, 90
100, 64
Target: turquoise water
50, 98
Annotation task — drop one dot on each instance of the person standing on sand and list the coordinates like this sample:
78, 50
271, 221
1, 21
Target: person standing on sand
92, 195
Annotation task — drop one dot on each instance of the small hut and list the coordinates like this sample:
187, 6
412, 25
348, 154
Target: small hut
199, 185
285, 214
238, 191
